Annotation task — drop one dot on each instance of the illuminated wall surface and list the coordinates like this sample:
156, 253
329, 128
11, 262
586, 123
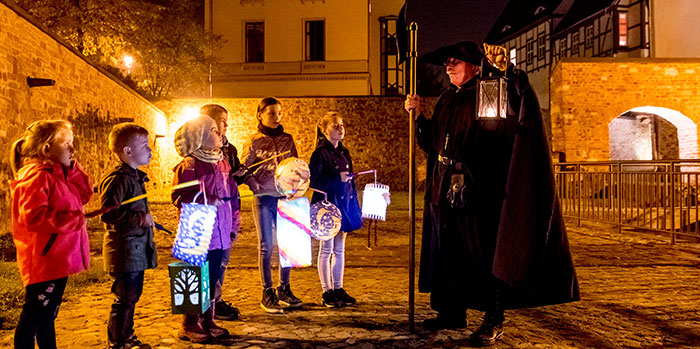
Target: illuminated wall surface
83, 94
588, 98
352, 46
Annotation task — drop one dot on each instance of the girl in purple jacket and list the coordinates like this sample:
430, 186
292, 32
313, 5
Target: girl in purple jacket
199, 142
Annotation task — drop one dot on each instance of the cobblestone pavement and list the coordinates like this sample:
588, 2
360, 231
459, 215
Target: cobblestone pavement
638, 291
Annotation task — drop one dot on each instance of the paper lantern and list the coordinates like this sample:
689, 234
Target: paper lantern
189, 288
374, 201
326, 220
194, 232
292, 177
294, 232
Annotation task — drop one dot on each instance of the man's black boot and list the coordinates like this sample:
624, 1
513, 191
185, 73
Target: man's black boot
490, 331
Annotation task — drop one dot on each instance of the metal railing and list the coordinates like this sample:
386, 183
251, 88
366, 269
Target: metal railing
653, 195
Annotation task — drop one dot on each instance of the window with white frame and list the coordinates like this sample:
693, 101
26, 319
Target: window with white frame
514, 56
589, 36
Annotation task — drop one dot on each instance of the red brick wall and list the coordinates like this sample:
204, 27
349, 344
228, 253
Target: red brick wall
376, 130
82, 93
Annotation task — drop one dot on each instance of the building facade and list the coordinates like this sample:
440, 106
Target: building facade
637, 34
304, 47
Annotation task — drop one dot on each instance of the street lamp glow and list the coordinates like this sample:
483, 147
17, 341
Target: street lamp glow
128, 61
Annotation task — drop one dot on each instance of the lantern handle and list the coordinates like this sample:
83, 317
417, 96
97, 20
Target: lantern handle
365, 172
325, 195
201, 191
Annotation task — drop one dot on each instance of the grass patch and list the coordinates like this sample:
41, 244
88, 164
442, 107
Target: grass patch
12, 291
12, 295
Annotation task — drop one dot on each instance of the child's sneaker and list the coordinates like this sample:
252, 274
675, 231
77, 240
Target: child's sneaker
225, 311
287, 299
135, 343
270, 302
344, 297
330, 300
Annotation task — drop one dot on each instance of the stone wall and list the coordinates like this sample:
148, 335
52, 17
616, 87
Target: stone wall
83, 94
587, 94
376, 130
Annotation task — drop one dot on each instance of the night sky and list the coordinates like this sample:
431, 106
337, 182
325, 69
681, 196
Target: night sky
443, 22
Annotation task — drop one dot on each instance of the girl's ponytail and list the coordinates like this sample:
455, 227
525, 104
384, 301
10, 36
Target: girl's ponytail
322, 125
36, 137
16, 156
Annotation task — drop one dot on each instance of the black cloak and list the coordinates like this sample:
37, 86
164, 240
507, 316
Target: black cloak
511, 228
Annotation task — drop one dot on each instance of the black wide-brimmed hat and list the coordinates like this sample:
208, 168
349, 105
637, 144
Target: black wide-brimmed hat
467, 51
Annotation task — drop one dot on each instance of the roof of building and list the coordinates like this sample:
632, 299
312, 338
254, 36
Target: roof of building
519, 14
580, 10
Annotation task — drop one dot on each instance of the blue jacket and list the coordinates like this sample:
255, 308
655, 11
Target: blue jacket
326, 164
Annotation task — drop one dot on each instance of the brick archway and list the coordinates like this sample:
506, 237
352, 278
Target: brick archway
587, 94
652, 133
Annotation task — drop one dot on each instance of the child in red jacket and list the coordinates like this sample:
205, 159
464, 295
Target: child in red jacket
48, 194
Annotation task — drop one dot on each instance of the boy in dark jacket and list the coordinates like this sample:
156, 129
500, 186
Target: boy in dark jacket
128, 247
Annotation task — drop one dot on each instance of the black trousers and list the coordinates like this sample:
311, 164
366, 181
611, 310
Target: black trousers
41, 303
126, 288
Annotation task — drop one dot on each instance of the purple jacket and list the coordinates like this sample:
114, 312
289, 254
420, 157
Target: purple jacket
219, 184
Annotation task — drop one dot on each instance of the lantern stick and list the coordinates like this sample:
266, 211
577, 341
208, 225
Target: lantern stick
325, 195
157, 191
365, 172
106, 209
268, 159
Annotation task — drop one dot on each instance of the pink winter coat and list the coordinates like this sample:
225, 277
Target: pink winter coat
47, 220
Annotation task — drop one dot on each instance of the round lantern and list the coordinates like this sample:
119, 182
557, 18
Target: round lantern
292, 177
325, 220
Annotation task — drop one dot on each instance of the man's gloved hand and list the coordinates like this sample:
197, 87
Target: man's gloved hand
496, 55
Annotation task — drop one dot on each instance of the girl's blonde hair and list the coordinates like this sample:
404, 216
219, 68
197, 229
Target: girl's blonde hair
322, 125
32, 144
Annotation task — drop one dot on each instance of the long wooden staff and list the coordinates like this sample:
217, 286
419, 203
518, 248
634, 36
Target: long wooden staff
413, 29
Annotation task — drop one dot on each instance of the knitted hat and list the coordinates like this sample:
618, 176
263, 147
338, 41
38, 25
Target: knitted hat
189, 137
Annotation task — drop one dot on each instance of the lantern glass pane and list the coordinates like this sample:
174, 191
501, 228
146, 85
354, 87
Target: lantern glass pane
488, 98
504, 98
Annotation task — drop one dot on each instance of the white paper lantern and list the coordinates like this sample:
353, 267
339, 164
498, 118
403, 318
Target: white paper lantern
194, 232
375, 201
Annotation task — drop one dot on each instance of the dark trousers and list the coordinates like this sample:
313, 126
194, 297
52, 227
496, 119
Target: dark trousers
41, 303
214, 257
225, 256
127, 289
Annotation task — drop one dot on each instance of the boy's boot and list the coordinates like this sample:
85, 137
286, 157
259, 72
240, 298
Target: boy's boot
210, 326
191, 330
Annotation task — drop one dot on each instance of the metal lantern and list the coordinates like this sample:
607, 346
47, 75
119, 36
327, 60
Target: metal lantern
492, 98
189, 288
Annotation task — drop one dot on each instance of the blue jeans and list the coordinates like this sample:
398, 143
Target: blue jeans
41, 303
335, 247
265, 216
126, 288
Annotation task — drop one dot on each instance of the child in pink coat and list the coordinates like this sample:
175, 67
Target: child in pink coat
48, 226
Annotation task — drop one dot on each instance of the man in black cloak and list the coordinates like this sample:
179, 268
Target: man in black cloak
493, 234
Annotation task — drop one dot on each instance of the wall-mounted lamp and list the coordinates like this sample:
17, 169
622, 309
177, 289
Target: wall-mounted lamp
37, 82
